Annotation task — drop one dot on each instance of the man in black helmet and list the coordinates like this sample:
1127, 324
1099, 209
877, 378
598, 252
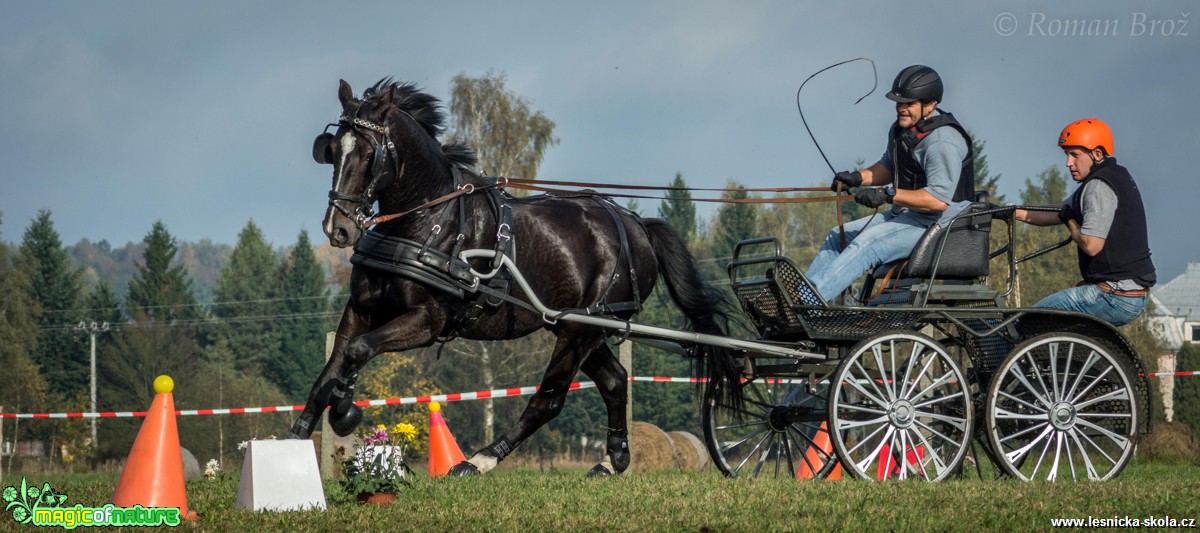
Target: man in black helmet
927, 173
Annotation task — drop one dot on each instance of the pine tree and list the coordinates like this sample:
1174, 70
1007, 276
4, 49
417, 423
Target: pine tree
304, 299
57, 288
22, 382
102, 305
735, 222
245, 292
1187, 390
160, 339
159, 291
985, 181
678, 209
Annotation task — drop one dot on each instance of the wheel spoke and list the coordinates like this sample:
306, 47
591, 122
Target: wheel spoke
754, 449
1020, 376
1095, 381
1037, 373
1119, 394
930, 429
1093, 357
1018, 454
1037, 408
889, 384
1029, 429
945, 378
854, 382
1119, 440
745, 439
914, 356
1085, 456
932, 452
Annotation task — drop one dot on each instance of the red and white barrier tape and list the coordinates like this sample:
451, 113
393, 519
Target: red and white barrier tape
444, 398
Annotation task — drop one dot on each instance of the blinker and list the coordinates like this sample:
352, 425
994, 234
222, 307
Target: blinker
322, 149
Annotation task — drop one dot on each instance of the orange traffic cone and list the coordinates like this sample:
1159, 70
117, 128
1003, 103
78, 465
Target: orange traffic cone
443, 449
153, 474
816, 456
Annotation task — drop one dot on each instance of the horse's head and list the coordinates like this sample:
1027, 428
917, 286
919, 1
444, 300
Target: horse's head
368, 151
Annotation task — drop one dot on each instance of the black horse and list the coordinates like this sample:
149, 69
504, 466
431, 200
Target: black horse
410, 289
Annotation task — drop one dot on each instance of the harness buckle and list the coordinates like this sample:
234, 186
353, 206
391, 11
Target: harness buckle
437, 229
470, 188
500, 235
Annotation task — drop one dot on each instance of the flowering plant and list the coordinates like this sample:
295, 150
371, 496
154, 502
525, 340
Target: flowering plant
377, 465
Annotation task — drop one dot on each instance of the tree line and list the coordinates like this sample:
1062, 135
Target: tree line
260, 340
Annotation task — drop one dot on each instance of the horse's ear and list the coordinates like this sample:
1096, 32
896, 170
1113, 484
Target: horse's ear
390, 97
345, 93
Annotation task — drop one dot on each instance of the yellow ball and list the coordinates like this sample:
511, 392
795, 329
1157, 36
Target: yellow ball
164, 384
434, 407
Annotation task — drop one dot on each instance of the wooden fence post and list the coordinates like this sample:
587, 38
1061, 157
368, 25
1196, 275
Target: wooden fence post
328, 465
625, 357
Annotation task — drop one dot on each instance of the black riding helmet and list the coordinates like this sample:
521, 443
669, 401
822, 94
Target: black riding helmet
917, 82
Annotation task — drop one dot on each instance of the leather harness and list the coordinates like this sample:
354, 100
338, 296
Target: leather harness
449, 273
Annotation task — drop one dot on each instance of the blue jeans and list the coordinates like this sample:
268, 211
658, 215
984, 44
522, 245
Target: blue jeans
1089, 299
872, 242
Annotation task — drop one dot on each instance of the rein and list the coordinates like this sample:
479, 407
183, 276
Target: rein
465, 189
526, 184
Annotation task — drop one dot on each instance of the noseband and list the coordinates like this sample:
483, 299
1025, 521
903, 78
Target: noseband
383, 149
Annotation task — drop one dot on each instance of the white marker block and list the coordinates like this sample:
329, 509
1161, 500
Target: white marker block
280, 475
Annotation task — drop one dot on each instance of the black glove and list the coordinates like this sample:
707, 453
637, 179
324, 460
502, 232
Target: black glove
847, 179
872, 197
1066, 213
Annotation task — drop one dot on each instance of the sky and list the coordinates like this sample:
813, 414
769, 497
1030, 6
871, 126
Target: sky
114, 115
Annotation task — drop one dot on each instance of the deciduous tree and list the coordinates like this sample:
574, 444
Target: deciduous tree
509, 137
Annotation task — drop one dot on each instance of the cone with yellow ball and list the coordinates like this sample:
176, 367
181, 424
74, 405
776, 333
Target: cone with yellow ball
443, 449
153, 474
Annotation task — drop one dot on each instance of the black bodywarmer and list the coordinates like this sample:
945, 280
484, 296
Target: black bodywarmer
1126, 252
909, 175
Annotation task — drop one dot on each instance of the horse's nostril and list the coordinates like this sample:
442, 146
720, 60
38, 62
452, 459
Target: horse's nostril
341, 236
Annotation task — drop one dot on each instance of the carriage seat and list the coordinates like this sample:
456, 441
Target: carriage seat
964, 253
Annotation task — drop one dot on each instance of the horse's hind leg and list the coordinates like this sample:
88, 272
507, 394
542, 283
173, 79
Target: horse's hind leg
612, 380
575, 344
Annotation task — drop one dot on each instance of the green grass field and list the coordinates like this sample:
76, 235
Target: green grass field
529, 500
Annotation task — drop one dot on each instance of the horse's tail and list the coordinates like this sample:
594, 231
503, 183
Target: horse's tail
706, 308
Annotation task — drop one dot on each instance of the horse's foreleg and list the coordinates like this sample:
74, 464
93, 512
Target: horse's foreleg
569, 353
330, 381
612, 381
351, 351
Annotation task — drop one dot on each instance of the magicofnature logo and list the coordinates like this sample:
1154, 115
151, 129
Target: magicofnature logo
42, 506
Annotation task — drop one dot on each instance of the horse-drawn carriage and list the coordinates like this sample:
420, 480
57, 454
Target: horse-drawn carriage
930, 367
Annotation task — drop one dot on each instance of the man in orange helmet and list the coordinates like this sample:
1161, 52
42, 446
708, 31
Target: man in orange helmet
1107, 222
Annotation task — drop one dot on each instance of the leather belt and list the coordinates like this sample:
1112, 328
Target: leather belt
1139, 293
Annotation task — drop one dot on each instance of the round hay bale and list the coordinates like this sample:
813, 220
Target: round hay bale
651, 448
689, 450
1171, 442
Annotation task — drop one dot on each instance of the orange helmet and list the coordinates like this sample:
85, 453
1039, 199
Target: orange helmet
1090, 133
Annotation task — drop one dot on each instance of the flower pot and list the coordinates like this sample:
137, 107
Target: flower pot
376, 498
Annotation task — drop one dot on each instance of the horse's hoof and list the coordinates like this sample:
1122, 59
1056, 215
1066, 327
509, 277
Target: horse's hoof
344, 425
464, 469
599, 471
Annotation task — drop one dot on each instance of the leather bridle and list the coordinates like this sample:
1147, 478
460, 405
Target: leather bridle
383, 149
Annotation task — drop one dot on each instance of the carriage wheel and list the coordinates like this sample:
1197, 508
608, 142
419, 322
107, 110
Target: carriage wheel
899, 407
779, 431
1061, 406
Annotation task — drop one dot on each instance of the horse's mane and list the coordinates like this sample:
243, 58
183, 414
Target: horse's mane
426, 110
423, 108
460, 155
